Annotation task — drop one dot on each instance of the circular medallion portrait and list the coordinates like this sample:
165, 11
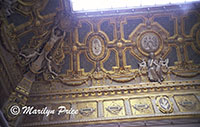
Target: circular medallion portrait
150, 42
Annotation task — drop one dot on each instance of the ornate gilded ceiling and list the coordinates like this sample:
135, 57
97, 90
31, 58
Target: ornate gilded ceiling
51, 54
101, 48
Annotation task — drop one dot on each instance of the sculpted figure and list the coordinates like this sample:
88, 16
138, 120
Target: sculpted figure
143, 66
37, 65
164, 63
49, 61
30, 55
156, 68
152, 66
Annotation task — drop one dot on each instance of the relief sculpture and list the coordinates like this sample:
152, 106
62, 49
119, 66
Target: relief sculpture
155, 68
40, 59
164, 104
150, 42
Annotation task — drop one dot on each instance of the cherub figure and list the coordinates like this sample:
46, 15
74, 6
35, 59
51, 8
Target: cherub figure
143, 66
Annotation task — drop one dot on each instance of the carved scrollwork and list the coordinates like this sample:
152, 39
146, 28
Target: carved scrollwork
185, 70
73, 82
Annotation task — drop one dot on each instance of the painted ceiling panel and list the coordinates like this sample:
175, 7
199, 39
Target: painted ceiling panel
66, 64
130, 26
194, 56
167, 23
131, 60
50, 7
71, 60
172, 56
25, 39
83, 31
190, 21
18, 19
85, 63
111, 62
108, 29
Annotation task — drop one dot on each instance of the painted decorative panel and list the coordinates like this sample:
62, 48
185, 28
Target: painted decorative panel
190, 21
113, 108
87, 110
187, 103
25, 40
115, 49
194, 56
108, 28
18, 19
66, 64
130, 26
164, 104
141, 106
167, 22
50, 7
131, 60
173, 58
83, 31
85, 63
111, 61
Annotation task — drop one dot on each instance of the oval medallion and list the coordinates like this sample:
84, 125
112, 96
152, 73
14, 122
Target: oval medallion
164, 104
96, 46
96, 43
